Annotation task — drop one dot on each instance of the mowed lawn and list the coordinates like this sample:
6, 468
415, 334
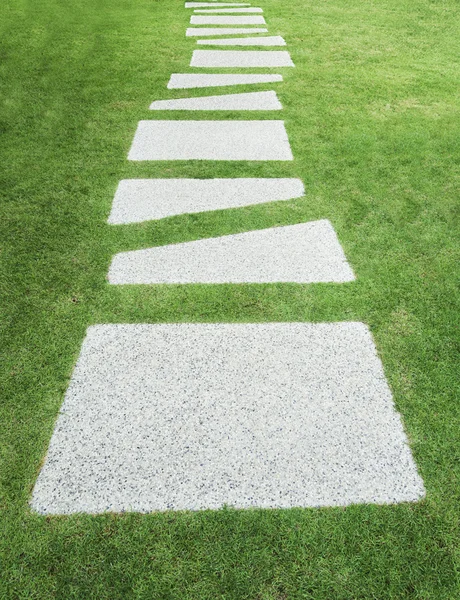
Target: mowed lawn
372, 112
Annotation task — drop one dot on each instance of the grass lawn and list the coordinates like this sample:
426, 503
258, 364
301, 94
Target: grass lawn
372, 111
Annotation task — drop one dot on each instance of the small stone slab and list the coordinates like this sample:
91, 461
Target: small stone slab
241, 58
248, 101
213, 4
190, 416
181, 81
138, 200
230, 10
272, 40
201, 31
210, 140
303, 253
223, 20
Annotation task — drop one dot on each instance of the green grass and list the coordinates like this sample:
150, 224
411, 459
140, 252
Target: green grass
372, 111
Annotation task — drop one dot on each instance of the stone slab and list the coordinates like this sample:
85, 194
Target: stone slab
248, 101
210, 140
223, 20
138, 200
213, 4
241, 58
197, 415
303, 253
271, 40
201, 31
229, 10
188, 80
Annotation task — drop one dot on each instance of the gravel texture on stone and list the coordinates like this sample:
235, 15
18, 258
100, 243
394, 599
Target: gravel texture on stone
241, 58
303, 253
247, 101
223, 20
210, 140
200, 31
213, 4
194, 416
201, 80
271, 40
229, 10
138, 200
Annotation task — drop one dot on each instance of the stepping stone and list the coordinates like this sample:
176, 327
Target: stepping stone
181, 81
138, 200
223, 20
210, 140
231, 10
304, 253
273, 40
249, 101
199, 31
204, 4
241, 58
191, 416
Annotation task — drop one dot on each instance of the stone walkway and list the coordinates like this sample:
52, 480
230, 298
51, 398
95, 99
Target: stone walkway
210, 140
248, 101
195, 416
138, 200
203, 80
273, 40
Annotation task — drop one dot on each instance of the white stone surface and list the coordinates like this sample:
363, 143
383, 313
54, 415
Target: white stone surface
210, 140
138, 200
304, 253
194, 416
191, 80
270, 40
200, 31
213, 4
247, 101
223, 20
241, 58
229, 10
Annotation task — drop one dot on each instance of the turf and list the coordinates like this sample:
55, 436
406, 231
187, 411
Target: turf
372, 112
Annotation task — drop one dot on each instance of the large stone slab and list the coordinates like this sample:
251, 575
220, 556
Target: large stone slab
201, 31
241, 58
195, 416
223, 20
303, 253
191, 80
138, 200
271, 40
213, 4
210, 140
248, 101
229, 10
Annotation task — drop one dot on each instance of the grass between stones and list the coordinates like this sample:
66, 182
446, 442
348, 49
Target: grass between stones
371, 111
